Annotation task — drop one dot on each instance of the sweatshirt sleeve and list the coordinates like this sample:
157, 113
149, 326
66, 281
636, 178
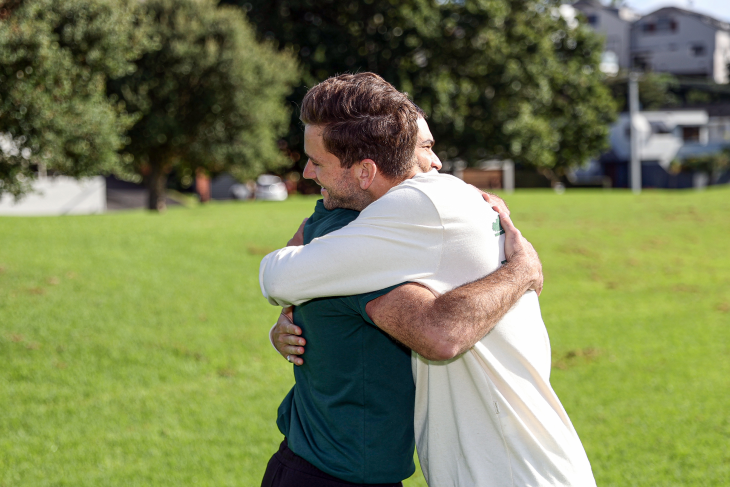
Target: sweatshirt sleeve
395, 239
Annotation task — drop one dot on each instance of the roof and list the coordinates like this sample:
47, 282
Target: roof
712, 109
624, 13
589, 3
705, 19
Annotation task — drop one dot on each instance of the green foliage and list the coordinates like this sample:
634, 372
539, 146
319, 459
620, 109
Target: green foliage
209, 95
713, 164
656, 90
499, 78
153, 366
55, 58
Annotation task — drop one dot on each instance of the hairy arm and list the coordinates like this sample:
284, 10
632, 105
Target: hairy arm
440, 328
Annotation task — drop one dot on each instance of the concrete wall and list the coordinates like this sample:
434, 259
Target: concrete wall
59, 196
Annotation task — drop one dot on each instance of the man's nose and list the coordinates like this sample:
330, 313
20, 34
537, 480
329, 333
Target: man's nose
309, 171
436, 162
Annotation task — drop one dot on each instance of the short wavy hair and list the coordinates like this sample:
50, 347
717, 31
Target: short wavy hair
364, 117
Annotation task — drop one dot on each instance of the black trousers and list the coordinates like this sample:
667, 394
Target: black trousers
286, 469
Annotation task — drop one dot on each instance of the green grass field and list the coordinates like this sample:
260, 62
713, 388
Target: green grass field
134, 349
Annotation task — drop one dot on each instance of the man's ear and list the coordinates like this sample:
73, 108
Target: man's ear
365, 172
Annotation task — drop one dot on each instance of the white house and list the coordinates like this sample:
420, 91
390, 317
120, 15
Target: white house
671, 134
683, 43
614, 24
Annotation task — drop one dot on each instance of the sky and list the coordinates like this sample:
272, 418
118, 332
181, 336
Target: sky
720, 9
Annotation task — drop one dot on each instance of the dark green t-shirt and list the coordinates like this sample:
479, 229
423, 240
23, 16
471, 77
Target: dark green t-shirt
350, 412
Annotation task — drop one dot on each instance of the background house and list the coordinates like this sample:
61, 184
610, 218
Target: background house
683, 43
615, 24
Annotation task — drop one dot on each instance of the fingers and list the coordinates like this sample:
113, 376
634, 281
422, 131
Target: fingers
289, 339
506, 221
289, 346
286, 337
285, 350
296, 360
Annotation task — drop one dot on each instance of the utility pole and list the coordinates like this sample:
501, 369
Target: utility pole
635, 166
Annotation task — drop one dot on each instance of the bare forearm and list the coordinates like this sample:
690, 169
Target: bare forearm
439, 328
466, 314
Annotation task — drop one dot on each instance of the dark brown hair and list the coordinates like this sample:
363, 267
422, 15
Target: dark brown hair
364, 117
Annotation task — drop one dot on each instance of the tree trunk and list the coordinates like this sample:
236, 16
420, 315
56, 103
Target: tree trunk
156, 184
202, 185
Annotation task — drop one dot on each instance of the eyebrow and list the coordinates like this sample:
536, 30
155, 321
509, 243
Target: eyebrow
312, 158
428, 141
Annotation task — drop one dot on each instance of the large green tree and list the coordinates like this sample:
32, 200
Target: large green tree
500, 78
210, 96
55, 58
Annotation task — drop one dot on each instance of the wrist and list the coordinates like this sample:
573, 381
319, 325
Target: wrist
522, 271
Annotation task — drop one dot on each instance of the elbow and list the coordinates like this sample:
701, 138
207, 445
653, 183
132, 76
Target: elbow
440, 348
279, 293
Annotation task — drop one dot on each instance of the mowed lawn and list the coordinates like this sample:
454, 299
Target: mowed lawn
134, 349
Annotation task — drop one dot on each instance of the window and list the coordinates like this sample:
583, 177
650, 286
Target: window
642, 62
660, 128
697, 50
593, 20
666, 25
691, 134
648, 27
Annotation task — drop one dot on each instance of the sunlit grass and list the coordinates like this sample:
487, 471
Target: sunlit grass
133, 346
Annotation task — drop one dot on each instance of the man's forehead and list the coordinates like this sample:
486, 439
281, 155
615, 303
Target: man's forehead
314, 145
424, 133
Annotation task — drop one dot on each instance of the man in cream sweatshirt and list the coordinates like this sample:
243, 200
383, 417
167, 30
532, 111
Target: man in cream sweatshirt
485, 413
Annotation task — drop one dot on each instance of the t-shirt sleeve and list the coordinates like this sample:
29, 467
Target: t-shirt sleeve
397, 238
362, 300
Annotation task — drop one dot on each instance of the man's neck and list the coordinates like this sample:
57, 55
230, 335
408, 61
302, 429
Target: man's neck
382, 185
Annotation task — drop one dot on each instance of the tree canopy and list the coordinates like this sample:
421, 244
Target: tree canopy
135, 88
499, 78
55, 58
209, 95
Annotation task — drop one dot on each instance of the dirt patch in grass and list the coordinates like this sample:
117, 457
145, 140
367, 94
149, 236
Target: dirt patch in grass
226, 372
257, 250
574, 358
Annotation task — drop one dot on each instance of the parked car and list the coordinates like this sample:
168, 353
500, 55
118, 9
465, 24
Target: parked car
270, 188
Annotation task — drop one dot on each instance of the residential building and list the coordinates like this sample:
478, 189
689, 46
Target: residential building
615, 24
663, 137
683, 43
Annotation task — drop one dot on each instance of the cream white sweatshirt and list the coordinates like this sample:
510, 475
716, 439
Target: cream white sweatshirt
490, 416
